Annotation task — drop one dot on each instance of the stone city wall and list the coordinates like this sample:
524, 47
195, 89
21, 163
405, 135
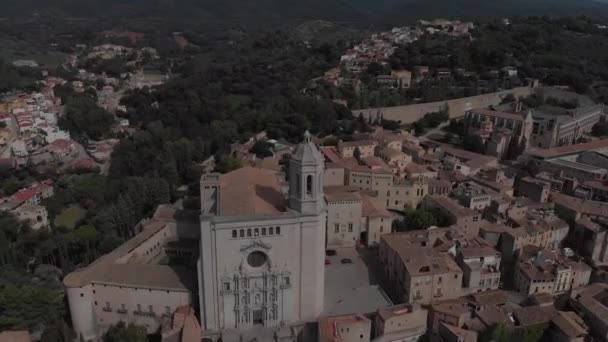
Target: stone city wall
411, 113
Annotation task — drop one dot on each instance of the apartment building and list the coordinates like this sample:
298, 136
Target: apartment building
538, 270
366, 148
467, 220
480, 264
534, 189
404, 323
537, 227
355, 217
355, 328
591, 241
344, 209
416, 271
591, 302
474, 196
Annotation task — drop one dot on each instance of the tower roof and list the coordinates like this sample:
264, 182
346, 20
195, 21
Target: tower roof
307, 152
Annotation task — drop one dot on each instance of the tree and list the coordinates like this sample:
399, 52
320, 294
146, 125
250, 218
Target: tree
600, 129
502, 333
357, 153
415, 219
509, 98
83, 118
262, 149
473, 143
227, 163
122, 332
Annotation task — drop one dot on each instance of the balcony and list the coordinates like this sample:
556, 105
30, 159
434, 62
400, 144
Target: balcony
107, 309
144, 313
121, 311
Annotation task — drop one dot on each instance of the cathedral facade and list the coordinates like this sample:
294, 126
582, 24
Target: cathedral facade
262, 245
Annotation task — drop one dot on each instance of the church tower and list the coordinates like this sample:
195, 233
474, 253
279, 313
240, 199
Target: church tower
306, 178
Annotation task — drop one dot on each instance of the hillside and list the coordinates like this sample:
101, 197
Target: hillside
357, 12
490, 9
235, 11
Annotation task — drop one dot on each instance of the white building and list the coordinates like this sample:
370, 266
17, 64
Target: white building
257, 251
262, 251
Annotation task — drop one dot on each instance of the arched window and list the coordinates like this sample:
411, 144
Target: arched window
298, 185
309, 185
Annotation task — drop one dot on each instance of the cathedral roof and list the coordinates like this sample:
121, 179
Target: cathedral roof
251, 191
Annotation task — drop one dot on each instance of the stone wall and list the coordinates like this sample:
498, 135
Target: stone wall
411, 113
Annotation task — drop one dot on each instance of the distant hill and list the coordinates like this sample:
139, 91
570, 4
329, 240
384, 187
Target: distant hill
363, 12
490, 9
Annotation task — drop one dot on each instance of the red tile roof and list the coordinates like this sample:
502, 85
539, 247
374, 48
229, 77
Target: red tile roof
590, 146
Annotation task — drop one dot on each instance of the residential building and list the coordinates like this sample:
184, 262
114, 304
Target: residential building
365, 147
404, 323
396, 159
347, 328
538, 270
344, 212
546, 228
534, 189
567, 326
591, 241
35, 215
467, 220
415, 271
573, 209
480, 264
591, 303
375, 220
474, 196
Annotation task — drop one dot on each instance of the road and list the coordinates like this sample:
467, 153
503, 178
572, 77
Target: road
5, 152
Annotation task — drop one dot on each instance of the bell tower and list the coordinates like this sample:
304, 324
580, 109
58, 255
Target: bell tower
306, 178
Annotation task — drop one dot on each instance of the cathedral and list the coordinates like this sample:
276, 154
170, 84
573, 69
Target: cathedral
252, 258
262, 246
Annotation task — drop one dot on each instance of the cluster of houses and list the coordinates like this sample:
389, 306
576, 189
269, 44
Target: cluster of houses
31, 132
26, 204
506, 234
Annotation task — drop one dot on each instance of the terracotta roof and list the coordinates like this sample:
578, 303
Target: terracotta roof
497, 114
60, 144
396, 310
533, 315
373, 207
462, 334
250, 191
391, 153
417, 253
452, 307
85, 163
570, 324
413, 168
341, 193
15, 336
586, 207
328, 325
492, 297
556, 151
452, 206
112, 268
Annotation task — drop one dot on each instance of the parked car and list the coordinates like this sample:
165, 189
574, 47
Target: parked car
346, 261
330, 252
327, 262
